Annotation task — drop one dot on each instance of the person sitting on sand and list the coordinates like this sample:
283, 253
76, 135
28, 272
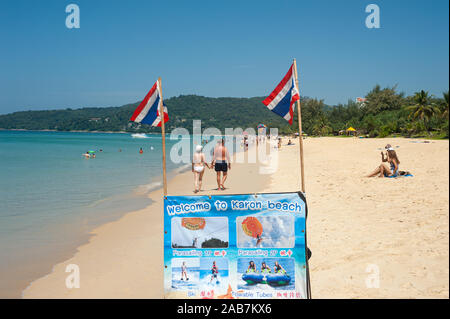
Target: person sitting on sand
265, 268
278, 269
383, 170
221, 163
198, 168
251, 267
184, 271
289, 142
214, 271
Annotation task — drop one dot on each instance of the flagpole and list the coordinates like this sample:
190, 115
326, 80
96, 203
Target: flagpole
163, 133
300, 133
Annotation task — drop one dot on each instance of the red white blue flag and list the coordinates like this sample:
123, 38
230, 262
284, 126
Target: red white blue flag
281, 100
148, 110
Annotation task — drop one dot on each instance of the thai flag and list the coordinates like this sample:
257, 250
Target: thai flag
281, 100
148, 110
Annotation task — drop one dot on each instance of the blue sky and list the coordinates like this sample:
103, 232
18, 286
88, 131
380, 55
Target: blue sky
215, 48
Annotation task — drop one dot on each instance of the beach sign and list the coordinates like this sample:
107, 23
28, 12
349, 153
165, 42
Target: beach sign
236, 246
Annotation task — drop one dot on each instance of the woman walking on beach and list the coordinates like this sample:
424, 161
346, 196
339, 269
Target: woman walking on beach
198, 168
392, 159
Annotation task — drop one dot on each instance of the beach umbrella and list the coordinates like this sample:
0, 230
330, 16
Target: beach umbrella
261, 126
351, 129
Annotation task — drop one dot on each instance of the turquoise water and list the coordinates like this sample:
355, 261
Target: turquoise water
51, 197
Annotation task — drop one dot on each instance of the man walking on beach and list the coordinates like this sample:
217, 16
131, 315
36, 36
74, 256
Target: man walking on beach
221, 162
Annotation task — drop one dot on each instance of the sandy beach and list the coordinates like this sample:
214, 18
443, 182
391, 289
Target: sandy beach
398, 227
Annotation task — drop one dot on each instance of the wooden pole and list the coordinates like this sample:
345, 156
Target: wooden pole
300, 134
163, 134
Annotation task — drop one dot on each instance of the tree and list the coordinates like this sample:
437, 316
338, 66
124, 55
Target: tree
445, 105
379, 100
422, 109
321, 126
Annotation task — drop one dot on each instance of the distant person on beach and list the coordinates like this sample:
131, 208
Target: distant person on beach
214, 271
198, 167
221, 163
184, 271
289, 142
392, 159
279, 142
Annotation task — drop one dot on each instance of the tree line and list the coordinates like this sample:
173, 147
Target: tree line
385, 112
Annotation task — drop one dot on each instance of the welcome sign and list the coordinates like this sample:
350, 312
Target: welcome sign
235, 246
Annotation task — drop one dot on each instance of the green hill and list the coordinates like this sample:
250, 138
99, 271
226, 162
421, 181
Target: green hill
214, 112
385, 112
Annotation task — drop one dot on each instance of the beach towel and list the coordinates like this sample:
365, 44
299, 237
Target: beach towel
397, 176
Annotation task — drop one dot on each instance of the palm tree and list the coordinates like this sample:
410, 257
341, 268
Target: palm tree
321, 126
445, 105
422, 109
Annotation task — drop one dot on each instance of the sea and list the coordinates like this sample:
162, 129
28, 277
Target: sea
51, 197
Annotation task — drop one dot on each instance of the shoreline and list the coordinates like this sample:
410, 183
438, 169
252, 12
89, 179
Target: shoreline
84, 239
353, 222
176, 187
281, 135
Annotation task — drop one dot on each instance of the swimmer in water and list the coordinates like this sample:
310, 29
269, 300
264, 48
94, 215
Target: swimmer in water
141, 151
86, 155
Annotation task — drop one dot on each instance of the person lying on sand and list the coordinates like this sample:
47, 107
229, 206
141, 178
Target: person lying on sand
392, 159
